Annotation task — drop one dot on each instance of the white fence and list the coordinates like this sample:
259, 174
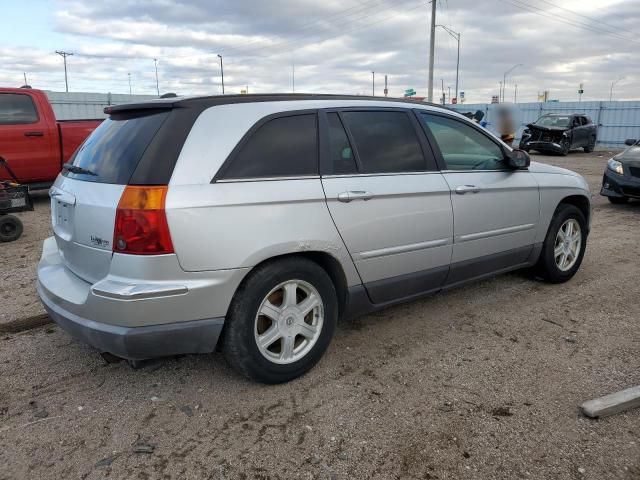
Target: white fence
616, 121
81, 105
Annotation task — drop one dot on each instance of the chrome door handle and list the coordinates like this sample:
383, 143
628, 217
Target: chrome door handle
347, 197
462, 189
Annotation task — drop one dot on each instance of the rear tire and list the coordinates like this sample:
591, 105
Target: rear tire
592, 145
559, 260
10, 228
286, 340
618, 200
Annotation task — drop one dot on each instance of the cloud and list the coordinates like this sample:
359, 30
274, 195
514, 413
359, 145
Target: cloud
335, 46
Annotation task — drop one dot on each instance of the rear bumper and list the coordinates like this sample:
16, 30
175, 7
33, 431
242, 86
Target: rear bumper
614, 185
138, 343
145, 308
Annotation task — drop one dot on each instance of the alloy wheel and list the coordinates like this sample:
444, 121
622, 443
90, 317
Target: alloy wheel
289, 322
567, 245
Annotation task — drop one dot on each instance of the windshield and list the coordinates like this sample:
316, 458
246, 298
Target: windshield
114, 149
553, 121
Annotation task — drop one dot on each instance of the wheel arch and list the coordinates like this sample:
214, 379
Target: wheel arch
330, 264
579, 201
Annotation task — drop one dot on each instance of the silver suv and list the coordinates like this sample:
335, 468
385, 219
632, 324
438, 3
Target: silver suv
255, 222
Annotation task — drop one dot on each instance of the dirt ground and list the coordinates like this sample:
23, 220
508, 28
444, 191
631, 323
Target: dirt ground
481, 382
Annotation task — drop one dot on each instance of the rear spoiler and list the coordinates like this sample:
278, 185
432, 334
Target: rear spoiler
152, 105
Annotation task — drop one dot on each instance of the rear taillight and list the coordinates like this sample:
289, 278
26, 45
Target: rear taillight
141, 223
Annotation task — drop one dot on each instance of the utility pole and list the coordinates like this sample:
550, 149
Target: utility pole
155, 62
432, 47
64, 55
373, 84
221, 72
449, 87
504, 79
456, 36
612, 85
500, 92
129, 75
386, 86
443, 97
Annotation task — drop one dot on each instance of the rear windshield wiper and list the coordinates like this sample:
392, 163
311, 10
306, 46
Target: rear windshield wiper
75, 169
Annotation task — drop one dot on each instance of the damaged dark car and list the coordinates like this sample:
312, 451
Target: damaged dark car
556, 133
621, 180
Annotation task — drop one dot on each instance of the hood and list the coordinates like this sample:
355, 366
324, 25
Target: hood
630, 154
536, 167
547, 129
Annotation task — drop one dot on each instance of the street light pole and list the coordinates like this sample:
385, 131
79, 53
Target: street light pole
373, 83
612, 85
155, 62
129, 75
221, 72
456, 36
504, 78
432, 47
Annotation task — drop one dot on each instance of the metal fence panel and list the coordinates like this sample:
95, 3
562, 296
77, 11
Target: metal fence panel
82, 105
616, 121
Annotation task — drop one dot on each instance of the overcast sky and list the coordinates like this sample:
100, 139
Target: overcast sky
334, 45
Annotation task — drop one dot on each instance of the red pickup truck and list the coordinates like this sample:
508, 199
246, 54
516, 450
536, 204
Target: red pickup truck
32, 141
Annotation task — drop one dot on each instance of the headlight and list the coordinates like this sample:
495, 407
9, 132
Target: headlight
615, 166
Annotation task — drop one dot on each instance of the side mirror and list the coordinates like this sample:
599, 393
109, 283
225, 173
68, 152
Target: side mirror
630, 141
517, 158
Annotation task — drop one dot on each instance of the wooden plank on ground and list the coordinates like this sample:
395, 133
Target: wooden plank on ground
613, 403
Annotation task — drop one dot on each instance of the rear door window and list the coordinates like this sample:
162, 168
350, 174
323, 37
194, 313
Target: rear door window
340, 151
114, 149
17, 109
281, 147
386, 142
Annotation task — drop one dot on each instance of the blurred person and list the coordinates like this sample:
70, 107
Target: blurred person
506, 126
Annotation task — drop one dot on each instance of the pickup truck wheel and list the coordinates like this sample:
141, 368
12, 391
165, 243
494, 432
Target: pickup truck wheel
10, 228
280, 321
592, 145
564, 245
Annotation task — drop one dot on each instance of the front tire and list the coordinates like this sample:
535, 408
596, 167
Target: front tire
564, 245
618, 200
566, 147
281, 320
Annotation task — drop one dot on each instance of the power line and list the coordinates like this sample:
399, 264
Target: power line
600, 22
290, 45
558, 18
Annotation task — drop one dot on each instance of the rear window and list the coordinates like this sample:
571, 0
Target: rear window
282, 147
114, 149
16, 109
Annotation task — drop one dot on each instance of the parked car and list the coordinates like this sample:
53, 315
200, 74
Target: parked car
621, 179
560, 133
256, 221
33, 142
